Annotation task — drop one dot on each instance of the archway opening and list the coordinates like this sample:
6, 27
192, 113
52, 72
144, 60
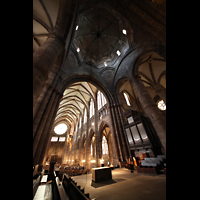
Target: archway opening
106, 146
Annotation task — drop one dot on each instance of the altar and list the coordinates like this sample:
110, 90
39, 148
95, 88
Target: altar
101, 174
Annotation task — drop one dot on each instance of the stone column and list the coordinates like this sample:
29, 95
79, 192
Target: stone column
116, 133
124, 141
97, 141
44, 118
162, 95
80, 153
53, 78
41, 137
110, 149
121, 130
87, 144
38, 102
45, 56
65, 152
43, 59
41, 110
47, 133
151, 109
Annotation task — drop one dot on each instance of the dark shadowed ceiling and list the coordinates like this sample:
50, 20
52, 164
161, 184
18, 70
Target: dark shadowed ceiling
99, 35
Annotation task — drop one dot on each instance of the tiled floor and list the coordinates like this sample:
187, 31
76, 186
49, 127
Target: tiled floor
125, 185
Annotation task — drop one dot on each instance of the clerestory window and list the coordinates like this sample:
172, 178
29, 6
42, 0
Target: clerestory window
101, 100
91, 108
127, 98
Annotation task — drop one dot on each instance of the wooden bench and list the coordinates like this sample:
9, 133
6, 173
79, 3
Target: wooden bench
62, 194
73, 191
36, 183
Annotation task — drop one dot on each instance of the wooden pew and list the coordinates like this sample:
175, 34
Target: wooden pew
61, 190
74, 191
37, 181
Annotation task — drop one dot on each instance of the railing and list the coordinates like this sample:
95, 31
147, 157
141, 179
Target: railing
103, 112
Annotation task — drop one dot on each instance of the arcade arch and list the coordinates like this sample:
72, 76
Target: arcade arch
106, 149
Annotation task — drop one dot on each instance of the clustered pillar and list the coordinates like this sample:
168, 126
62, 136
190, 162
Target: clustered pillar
151, 110
43, 124
43, 61
45, 56
46, 99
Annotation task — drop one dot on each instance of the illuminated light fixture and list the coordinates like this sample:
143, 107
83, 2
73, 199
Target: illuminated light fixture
118, 52
76, 27
105, 64
93, 161
102, 160
78, 49
83, 160
92, 123
60, 129
72, 160
161, 105
124, 31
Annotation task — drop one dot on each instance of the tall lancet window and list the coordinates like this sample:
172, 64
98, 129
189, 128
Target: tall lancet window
127, 98
85, 116
91, 108
91, 150
101, 100
104, 145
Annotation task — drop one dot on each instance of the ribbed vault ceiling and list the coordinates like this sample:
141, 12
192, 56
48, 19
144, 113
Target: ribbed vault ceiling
153, 70
99, 35
74, 101
44, 19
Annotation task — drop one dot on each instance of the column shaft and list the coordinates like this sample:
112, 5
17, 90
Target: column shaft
43, 59
45, 140
151, 109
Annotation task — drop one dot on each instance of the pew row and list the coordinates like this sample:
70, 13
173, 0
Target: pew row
73, 191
